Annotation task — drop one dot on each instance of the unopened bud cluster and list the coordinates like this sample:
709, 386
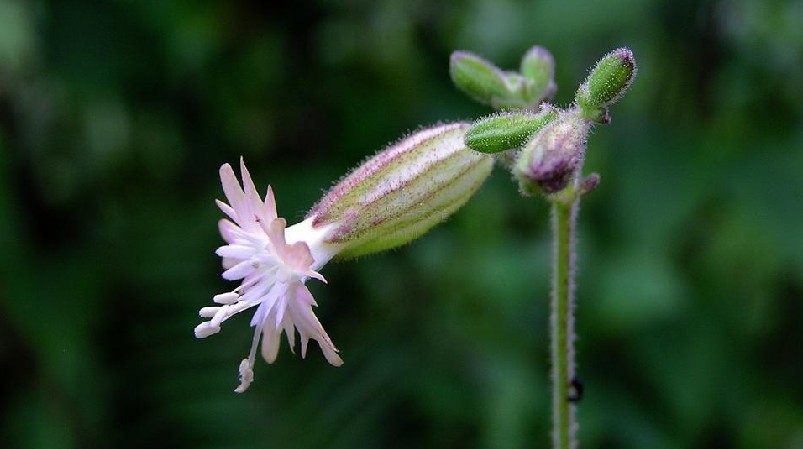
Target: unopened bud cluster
486, 83
549, 144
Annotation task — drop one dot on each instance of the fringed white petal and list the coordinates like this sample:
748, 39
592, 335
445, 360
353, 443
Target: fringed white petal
272, 274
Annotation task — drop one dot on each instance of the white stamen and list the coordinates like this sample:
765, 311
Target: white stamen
220, 316
226, 298
204, 330
208, 312
246, 375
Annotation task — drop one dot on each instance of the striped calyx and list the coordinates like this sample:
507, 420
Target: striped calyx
401, 192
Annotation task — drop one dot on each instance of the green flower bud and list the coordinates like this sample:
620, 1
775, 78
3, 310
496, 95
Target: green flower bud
487, 84
606, 83
551, 159
403, 191
507, 131
538, 68
478, 78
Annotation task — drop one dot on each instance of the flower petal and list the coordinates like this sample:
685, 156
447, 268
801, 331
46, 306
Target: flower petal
226, 209
228, 230
271, 337
233, 193
239, 271
300, 308
297, 256
251, 201
270, 205
235, 251
290, 332
264, 212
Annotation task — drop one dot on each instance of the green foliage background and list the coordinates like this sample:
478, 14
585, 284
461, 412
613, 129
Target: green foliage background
116, 114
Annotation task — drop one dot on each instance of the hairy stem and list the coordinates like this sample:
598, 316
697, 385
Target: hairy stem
562, 336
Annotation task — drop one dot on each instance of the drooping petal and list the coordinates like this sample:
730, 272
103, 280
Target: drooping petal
280, 309
290, 332
300, 309
261, 314
271, 337
266, 301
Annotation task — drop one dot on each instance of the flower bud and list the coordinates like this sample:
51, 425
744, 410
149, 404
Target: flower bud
538, 68
487, 84
553, 156
400, 193
507, 131
607, 82
478, 78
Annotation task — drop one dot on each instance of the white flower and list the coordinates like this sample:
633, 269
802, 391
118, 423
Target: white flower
389, 200
273, 264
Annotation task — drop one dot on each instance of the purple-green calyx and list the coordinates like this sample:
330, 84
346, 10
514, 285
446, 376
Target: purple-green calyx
551, 159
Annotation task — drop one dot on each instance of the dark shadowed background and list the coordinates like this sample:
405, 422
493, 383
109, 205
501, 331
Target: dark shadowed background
115, 116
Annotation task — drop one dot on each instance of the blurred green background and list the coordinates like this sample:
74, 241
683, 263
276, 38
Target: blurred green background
115, 116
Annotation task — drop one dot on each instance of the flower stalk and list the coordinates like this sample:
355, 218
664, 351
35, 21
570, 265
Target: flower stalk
549, 148
564, 216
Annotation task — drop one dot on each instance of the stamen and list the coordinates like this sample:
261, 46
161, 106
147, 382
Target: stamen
226, 298
246, 375
205, 329
208, 312
220, 316
247, 365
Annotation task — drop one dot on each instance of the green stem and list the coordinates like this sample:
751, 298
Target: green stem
562, 336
